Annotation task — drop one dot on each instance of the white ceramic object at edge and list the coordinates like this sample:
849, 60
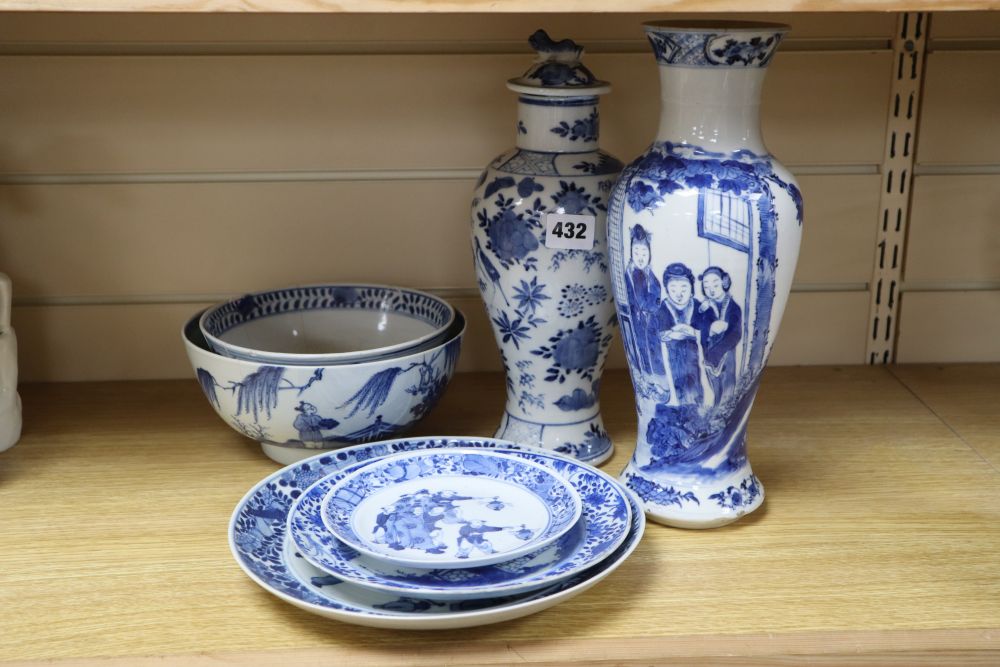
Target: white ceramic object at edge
10, 401
704, 231
548, 296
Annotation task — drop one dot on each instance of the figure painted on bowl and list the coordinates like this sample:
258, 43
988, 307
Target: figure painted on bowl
644, 299
721, 325
443, 505
410, 528
310, 424
473, 536
382, 524
678, 320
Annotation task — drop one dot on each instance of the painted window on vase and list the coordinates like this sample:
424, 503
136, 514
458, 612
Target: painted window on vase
725, 218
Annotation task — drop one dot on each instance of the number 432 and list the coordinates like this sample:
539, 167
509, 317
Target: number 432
570, 230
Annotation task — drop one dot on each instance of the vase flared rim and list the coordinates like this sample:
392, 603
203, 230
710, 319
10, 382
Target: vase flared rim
716, 26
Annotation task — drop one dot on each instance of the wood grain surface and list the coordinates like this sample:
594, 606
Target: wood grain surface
964, 397
877, 542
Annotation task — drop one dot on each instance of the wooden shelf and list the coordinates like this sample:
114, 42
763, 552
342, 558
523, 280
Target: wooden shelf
878, 538
491, 6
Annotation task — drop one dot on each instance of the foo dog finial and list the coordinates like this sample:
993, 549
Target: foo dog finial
558, 64
565, 50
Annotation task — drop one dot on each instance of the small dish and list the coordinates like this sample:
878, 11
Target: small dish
603, 526
450, 509
260, 545
325, 324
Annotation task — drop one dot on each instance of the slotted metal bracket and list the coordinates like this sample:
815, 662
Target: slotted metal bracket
909, 49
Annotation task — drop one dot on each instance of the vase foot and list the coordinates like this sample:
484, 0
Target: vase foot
585, 440
697, 503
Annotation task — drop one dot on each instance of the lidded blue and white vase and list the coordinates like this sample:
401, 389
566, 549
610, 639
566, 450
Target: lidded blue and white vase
703, 232
541, 259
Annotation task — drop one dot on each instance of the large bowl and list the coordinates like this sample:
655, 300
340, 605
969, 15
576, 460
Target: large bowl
323, 325
293, 411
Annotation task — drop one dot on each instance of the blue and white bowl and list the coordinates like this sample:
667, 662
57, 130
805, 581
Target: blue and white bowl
323, 325
293, 411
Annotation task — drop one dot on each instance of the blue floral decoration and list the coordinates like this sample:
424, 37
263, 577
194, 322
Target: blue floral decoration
756, 50
573, 301
605, 165
669, 167
582, 129
498, 184
511, 330
642, 196
574, 350
742, 496
527, 187
713, 50
530, 295
659, 495
595, 444
578, 399
511, 237
576, 200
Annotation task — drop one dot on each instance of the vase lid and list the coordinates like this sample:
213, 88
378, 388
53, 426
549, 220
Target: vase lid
557, 72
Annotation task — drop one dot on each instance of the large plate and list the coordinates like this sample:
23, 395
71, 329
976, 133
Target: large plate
257, 538
602, 528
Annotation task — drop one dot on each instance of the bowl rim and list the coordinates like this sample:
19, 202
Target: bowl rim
323, 358
459, 323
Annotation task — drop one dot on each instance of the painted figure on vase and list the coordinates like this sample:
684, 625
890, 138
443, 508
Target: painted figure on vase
644, 298
689, 344
677, 321
720, 325
718, 211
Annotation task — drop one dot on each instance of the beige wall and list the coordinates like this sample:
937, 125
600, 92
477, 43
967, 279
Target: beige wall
152, 164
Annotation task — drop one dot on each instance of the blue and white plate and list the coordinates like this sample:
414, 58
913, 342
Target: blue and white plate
257, 538
602, 528
450, 509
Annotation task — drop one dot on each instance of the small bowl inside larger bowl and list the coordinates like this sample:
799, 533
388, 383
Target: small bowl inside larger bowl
295, 410
326, 324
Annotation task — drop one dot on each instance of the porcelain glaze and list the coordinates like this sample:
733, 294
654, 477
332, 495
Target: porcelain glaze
703, 232
259, 542
325, 325
543, 276
602, 528
454, 508
295, 410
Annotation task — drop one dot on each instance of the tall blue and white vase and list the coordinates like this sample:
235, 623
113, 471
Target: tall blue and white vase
541, 259
703, 232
